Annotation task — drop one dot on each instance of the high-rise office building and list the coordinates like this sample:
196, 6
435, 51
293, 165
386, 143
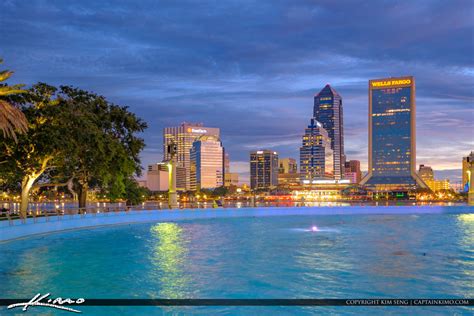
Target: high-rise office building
328, 111
263, 169
466, 173
287, 165
316, 155
392, 144
206, 163
184, 136
352, 171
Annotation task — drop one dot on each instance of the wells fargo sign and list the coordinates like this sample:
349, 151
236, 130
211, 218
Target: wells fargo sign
391, 82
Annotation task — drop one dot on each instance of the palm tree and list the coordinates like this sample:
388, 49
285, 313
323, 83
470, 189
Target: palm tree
12, 119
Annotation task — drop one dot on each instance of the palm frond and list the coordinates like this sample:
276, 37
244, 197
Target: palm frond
4, 75
10, 90
12, 120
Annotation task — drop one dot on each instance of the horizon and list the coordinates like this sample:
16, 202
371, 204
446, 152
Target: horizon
198, 66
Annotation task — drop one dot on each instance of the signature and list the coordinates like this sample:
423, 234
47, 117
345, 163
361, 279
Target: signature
37, 300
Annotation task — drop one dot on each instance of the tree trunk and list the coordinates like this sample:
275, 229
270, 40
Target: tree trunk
83, 195
26, 185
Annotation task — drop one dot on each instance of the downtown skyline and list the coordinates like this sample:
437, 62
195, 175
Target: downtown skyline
257, 84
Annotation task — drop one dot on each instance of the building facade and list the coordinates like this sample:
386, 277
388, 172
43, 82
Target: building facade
466, 175
352, 171
316, 155
438, 185
328, 111
392, 143
226, 163
157, 177
231, 179
287, 165
206, 163
183, 137
263, 169
426, 173
288, 180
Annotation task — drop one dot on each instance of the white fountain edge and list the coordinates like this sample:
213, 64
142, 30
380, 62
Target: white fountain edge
56, 224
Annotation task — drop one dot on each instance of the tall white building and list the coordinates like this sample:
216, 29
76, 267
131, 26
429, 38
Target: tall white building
206, 163
184, 136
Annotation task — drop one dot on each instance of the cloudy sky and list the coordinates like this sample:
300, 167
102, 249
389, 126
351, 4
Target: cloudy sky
253, 67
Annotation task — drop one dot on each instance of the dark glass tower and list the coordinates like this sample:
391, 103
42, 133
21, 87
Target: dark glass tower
328, 111
392, 144
263, 169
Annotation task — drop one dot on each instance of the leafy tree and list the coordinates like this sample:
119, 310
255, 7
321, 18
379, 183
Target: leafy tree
25, 159
74, 137
104, 150
12, 119
220, 191
133, 193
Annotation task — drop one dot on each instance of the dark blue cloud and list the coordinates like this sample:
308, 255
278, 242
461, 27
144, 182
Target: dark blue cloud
252, 67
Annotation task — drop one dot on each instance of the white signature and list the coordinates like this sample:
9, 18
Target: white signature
56, 303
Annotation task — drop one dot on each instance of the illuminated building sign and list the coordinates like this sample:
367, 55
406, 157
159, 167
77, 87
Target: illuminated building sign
197, 130
394, 82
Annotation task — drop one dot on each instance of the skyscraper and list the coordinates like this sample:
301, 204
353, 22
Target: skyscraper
184, 136
206, 163
392, 144
316, 155
328, 111
263, 169
466, 167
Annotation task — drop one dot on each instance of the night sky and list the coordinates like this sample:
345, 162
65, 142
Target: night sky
253, 67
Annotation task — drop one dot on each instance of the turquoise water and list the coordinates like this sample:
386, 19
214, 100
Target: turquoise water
349, 256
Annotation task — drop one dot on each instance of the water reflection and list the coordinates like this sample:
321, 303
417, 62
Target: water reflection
395, 246
322, 260
466, 241
30, 273
168, 259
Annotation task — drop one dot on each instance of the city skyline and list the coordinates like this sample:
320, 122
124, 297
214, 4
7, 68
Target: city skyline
258, 92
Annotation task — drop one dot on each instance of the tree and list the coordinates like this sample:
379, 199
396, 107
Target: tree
104, 150
220, 191
25, 159
133, 193
12, 119
74, 138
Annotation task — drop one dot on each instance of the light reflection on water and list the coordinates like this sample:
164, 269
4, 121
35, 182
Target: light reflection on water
168, 259
466, 243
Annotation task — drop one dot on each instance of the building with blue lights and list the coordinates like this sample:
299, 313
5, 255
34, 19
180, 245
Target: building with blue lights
328, 111
316, 155
392, 143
